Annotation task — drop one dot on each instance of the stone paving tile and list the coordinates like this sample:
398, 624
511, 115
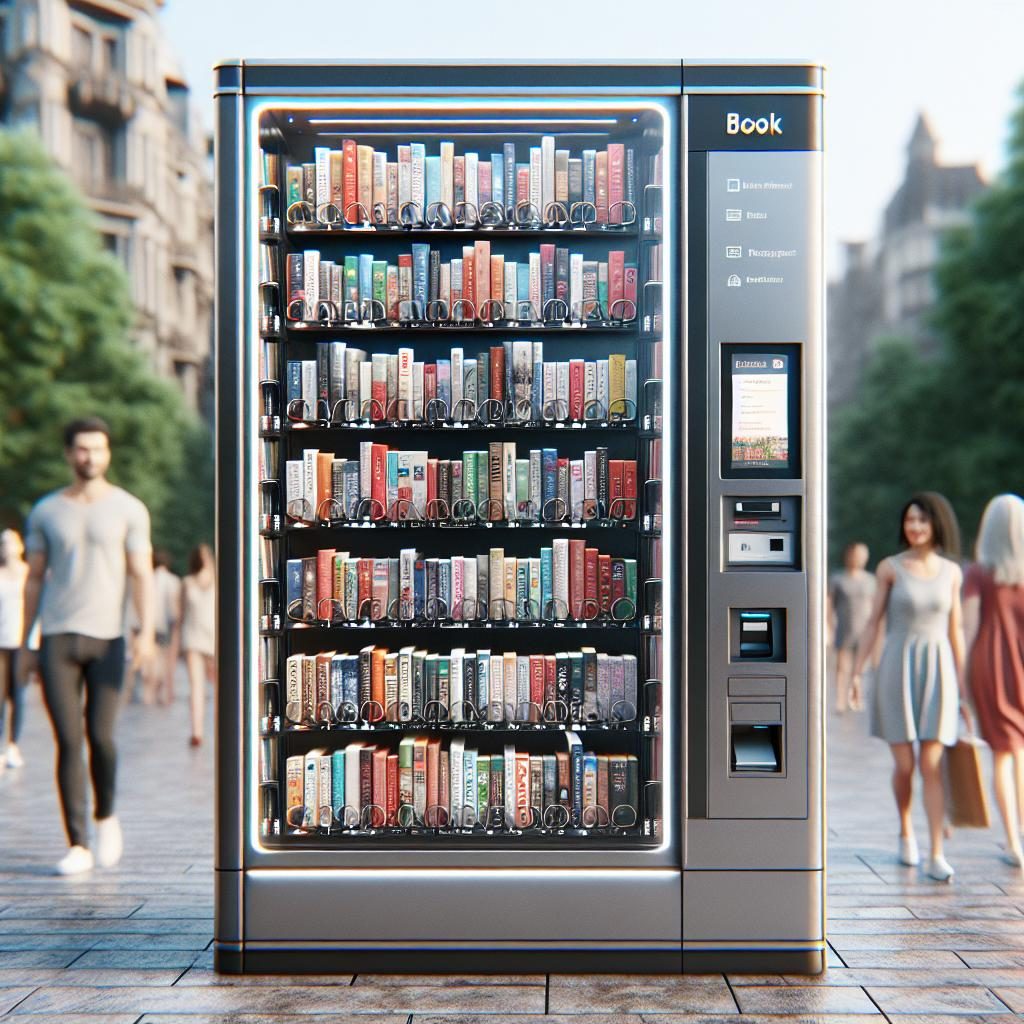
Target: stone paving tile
297, 999
74, 1018
306, 1019
867, 977
958, 943
356, 1018
17, 943
1013, 998
924, 887
100, 926
646, 1018
866, 913
171, 940
98, 977
207, 976
176, 912
961, 913
758, 1018
802, 999
901, 959
954, 1018
38, 958
11, 997
916, 926
630, 993
179, 960
450, 979
936, 1000
832, 958
994, 958
45, 911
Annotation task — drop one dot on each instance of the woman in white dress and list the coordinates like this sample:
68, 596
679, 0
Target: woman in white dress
198, 590
919, 682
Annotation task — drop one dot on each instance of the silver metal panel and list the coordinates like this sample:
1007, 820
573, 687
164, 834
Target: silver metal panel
754, 686
778, 196
227, 900
441, 859
482, 906
751, 905
727, 844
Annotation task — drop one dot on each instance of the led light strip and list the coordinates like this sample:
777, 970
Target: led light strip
670, 457
461, 120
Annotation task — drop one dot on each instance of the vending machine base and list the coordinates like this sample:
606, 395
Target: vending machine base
423, 959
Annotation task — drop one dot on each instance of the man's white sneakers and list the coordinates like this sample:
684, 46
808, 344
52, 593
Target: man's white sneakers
14, 758
109, 844
75, 861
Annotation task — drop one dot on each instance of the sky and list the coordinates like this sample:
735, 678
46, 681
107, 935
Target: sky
959, 62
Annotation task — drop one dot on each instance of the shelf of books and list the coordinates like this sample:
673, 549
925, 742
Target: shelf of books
457, 464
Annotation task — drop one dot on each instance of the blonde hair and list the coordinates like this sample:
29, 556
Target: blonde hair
1001, 539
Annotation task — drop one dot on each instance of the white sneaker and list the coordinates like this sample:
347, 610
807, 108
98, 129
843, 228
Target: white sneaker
109, 844
14, 758
1014, 858
75, 861
909, 854
939, 868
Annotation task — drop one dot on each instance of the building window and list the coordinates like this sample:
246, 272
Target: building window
96, 42
92, 152
109, 55
81, 46
118, 243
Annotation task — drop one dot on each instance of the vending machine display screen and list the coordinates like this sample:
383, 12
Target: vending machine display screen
760, 411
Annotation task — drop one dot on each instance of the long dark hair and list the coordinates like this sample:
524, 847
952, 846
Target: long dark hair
938, 511
195, 558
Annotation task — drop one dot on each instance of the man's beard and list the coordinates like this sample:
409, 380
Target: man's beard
86, 473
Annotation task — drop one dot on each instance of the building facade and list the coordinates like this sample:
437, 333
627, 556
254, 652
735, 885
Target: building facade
98, 84
887, 287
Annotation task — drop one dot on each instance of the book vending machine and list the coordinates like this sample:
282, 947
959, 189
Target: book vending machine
520, 517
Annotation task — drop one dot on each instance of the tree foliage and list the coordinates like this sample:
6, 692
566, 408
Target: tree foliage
65, 318
954, 424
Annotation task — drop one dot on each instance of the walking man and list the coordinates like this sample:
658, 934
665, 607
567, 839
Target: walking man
84, 543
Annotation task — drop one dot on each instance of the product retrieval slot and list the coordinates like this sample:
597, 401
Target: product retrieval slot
756, 748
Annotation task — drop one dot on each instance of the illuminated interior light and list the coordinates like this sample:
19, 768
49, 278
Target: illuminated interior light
671, 687
412, 121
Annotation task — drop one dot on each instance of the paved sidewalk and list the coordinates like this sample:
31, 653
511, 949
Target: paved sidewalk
132, 945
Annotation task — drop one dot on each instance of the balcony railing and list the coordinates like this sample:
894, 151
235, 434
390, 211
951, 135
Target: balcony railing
107, 96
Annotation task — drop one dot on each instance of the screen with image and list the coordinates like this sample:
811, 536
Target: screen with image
760, 410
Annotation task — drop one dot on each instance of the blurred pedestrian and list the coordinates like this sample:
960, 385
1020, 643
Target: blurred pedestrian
85, 543
851, 594
158, 682
994, 624
198, 590
919, 681
13, 574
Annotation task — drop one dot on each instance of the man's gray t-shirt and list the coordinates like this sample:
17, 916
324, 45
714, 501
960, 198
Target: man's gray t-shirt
86, 546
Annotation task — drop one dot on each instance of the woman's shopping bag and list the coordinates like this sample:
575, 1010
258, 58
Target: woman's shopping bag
966, 796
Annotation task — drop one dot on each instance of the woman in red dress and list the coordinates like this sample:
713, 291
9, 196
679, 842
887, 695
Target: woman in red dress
994, 618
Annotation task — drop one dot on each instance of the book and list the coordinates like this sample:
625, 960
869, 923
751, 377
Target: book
616, 181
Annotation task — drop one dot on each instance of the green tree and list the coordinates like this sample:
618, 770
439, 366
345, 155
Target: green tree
954, 424
65, 317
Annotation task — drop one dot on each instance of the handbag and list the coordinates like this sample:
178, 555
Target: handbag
966, 796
